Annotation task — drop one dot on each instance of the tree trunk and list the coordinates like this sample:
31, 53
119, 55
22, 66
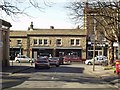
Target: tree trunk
119, 50
111, 55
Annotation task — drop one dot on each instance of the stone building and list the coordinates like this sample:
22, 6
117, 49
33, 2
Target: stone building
4, 42
56, 42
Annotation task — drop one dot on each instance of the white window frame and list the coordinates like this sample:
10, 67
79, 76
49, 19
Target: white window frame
75, 42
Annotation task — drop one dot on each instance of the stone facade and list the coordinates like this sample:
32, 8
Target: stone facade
52, 41
4, 43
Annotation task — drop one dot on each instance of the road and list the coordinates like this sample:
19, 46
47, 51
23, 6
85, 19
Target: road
65, 76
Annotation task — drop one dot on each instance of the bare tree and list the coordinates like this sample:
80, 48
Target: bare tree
107, 14
16, 7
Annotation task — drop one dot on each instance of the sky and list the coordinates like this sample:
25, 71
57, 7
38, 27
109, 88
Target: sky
57, 16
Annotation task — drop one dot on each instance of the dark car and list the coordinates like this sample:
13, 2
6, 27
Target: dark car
61, 60
42, 62
54, 61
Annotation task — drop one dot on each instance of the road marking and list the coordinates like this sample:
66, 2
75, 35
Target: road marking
52, 78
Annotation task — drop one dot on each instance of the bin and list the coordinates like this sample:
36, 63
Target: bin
117, 66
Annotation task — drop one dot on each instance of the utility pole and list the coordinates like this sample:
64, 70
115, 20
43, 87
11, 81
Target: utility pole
94, 27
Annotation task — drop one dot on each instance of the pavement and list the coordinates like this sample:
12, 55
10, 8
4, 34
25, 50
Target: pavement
15, 68
107, 75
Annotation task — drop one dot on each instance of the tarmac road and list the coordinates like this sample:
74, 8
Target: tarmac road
65, 76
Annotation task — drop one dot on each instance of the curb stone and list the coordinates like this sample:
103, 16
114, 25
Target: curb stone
20, 70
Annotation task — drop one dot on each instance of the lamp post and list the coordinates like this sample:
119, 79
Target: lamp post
12, 55
94, 28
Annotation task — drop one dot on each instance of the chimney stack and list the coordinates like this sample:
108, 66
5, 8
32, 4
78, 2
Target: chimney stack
31, 26
51, 27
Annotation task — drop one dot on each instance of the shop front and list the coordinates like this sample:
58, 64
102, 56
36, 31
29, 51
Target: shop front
57, 52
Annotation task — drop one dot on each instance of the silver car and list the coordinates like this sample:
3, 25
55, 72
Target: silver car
54, 61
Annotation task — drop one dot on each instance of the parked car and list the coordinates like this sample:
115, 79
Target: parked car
44, 55
23, 58
65, 60
54, 61
42, 62
102, 60
75, 59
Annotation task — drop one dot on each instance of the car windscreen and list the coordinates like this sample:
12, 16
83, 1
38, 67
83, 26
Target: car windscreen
53, 58
22, 57
101, 58
42, 58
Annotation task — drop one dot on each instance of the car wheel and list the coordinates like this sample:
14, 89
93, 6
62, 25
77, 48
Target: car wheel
89, 63
57, 65
48, 67
36, 67
31, 61
17, 61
